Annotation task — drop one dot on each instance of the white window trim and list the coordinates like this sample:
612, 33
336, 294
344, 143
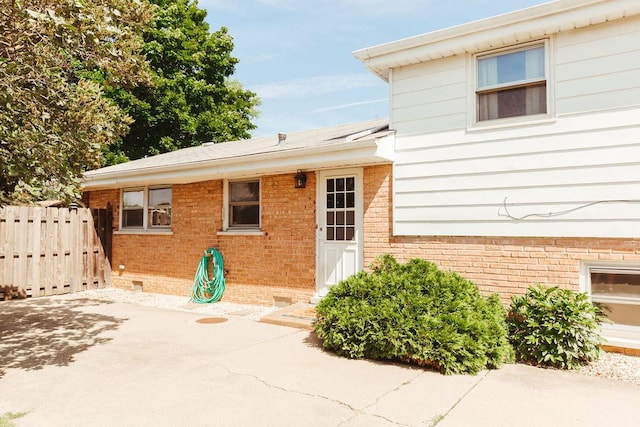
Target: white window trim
615, 335
473, 124
146, 228
244, 231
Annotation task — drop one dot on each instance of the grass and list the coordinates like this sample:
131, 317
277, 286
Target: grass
6, 419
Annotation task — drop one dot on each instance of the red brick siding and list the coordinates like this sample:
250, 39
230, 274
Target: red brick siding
497, 264
279, 264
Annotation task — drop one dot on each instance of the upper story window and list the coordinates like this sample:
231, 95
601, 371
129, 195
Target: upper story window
511, 83
243, 204
146, 208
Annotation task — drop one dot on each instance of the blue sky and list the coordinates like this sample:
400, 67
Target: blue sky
296, 54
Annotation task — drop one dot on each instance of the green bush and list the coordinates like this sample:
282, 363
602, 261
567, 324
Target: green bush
414, 313
554, 327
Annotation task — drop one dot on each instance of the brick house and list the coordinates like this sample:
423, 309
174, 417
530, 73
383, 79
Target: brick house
241, 198
513, 158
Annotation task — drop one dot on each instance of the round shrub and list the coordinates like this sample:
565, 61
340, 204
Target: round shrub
554, 327
414, 313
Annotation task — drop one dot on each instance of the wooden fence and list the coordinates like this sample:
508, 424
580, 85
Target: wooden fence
48, 251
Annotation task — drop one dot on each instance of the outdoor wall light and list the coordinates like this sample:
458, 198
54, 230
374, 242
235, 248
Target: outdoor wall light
300, 180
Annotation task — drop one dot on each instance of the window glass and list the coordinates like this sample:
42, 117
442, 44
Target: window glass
512, 84
133, 199
133, 209
160, 207
245, 215
617, 293
340, 207
132, 218
620, 314
160, 197
244, 204
154, 203
511, 67
615, 284
244, 191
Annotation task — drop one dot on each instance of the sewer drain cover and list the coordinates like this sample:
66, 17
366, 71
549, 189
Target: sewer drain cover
211, 320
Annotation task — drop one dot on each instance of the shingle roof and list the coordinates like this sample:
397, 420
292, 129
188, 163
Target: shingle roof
295, 144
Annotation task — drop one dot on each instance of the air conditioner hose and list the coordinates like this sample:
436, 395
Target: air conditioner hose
207, 289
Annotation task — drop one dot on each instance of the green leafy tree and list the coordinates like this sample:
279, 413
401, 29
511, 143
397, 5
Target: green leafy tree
192, 98
53, 122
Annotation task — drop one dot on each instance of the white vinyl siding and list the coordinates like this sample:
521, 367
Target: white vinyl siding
598, 67
430, 97
576, 173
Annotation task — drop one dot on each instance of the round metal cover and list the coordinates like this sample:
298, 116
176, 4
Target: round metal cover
208, 320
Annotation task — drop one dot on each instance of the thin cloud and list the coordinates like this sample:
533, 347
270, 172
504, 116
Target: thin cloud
349, 105
313, 86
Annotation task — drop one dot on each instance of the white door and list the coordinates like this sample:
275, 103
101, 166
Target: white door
339, 227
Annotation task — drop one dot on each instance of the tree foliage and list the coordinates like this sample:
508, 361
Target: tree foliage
53, 121
191, 99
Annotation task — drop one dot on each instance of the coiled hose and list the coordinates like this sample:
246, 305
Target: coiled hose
207, 290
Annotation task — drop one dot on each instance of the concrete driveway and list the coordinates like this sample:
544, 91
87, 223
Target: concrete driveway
84, 362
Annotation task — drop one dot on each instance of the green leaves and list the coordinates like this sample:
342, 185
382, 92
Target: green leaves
190, 98
56, 121
417, 314
550, 326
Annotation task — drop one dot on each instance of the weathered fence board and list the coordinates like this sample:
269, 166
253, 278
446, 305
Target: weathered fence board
48, 251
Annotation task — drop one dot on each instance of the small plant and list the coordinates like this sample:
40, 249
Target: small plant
414, 313
554, 327
6, 419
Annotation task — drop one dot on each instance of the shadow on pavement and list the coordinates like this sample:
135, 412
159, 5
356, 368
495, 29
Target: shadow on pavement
40, 332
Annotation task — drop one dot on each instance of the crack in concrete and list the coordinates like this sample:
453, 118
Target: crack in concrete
443, 416
355, 411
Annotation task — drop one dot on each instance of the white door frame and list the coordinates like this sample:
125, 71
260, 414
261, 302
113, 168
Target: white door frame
321, 242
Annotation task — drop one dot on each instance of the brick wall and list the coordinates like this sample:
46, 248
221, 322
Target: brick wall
280, 263
497, 264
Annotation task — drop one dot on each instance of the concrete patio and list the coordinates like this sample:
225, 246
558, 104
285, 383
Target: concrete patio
85, 362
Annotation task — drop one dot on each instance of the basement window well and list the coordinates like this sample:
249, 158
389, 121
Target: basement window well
616, 290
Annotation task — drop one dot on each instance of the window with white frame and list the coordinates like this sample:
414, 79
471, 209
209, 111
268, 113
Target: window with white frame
146, 208
617, 292
511, 83
243, 204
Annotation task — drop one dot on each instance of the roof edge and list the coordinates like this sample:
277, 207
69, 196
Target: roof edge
463, 38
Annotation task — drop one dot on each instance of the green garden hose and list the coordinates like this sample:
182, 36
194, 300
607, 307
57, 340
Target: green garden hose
207, 290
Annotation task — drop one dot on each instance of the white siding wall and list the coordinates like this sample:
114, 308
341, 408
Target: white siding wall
582, 167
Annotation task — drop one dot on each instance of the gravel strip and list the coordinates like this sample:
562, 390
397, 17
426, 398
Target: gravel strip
173, 302
612, 366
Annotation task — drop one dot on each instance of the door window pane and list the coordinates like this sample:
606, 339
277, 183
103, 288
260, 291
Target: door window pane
351, 184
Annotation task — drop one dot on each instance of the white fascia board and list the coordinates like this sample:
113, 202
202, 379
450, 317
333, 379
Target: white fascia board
355, 153
498, 31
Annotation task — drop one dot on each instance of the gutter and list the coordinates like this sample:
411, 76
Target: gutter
213, 166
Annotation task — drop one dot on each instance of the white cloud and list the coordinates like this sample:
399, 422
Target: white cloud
312, 86
349, 105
